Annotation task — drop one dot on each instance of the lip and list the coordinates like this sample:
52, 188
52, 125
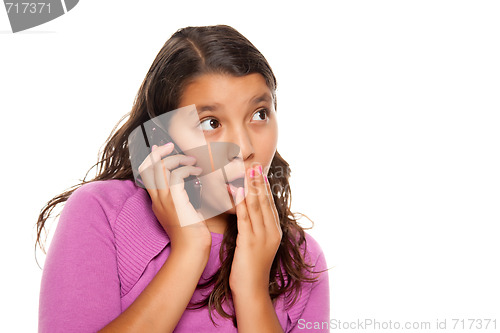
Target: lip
235, 177
238, 184
234, 170
232, 190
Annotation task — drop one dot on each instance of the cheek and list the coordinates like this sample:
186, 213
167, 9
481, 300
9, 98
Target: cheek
268, 141
183, 130
188, 138
215, 194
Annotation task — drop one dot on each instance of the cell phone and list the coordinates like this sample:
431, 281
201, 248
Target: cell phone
157, 135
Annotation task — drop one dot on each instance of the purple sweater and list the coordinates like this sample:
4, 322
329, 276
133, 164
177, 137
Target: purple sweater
108, 246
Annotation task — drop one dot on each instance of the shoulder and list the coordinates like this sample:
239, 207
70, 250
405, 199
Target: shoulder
312, 246
107, 196
313, 296
106, 192
88, 216
120, 211
311, 249
126, 207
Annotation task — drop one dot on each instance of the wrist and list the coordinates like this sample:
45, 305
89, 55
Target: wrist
249, 285
250, 293
190, 251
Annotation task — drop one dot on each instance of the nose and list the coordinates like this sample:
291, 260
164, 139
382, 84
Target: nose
241, 138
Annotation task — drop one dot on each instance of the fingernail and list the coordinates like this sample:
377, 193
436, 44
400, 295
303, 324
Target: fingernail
252, 173
168, 144
267, 181
260, 169
154, 147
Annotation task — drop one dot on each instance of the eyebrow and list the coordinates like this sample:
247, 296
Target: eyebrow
202, 108
265, 97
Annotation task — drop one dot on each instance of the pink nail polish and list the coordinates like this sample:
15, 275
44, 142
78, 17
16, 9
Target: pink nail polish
267, 180
252, 173
260, 169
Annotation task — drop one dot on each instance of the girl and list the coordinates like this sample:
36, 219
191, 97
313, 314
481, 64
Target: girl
132, 254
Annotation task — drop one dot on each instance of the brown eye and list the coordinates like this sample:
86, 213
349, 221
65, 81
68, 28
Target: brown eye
262, 114
209, 124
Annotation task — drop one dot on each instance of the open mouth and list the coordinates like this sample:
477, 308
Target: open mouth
238, 182
233, 186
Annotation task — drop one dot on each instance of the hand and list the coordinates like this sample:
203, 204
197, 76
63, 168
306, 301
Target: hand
259, 235
185, 227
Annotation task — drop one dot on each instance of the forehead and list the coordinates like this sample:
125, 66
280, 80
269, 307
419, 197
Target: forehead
224, 89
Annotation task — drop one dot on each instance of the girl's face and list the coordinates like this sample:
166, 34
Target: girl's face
238, 110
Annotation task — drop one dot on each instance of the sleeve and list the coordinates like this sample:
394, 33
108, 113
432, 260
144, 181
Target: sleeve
316, 314
80, 287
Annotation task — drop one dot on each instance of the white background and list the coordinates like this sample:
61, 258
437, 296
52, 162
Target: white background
389, 116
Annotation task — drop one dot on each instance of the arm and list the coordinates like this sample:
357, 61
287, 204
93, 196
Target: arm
259, 236
80, 290
161, 304
255, 308
168, 293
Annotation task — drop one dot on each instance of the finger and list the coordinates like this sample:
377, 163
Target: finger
164, 150
172, 162
177, 181
156, 154
167, 164
243, 220
183, 206
147, 170
253, 204
147, 175
268, 207
162, 174
155, 178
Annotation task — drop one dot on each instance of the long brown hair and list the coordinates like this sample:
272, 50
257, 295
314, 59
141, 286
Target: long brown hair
187, 54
